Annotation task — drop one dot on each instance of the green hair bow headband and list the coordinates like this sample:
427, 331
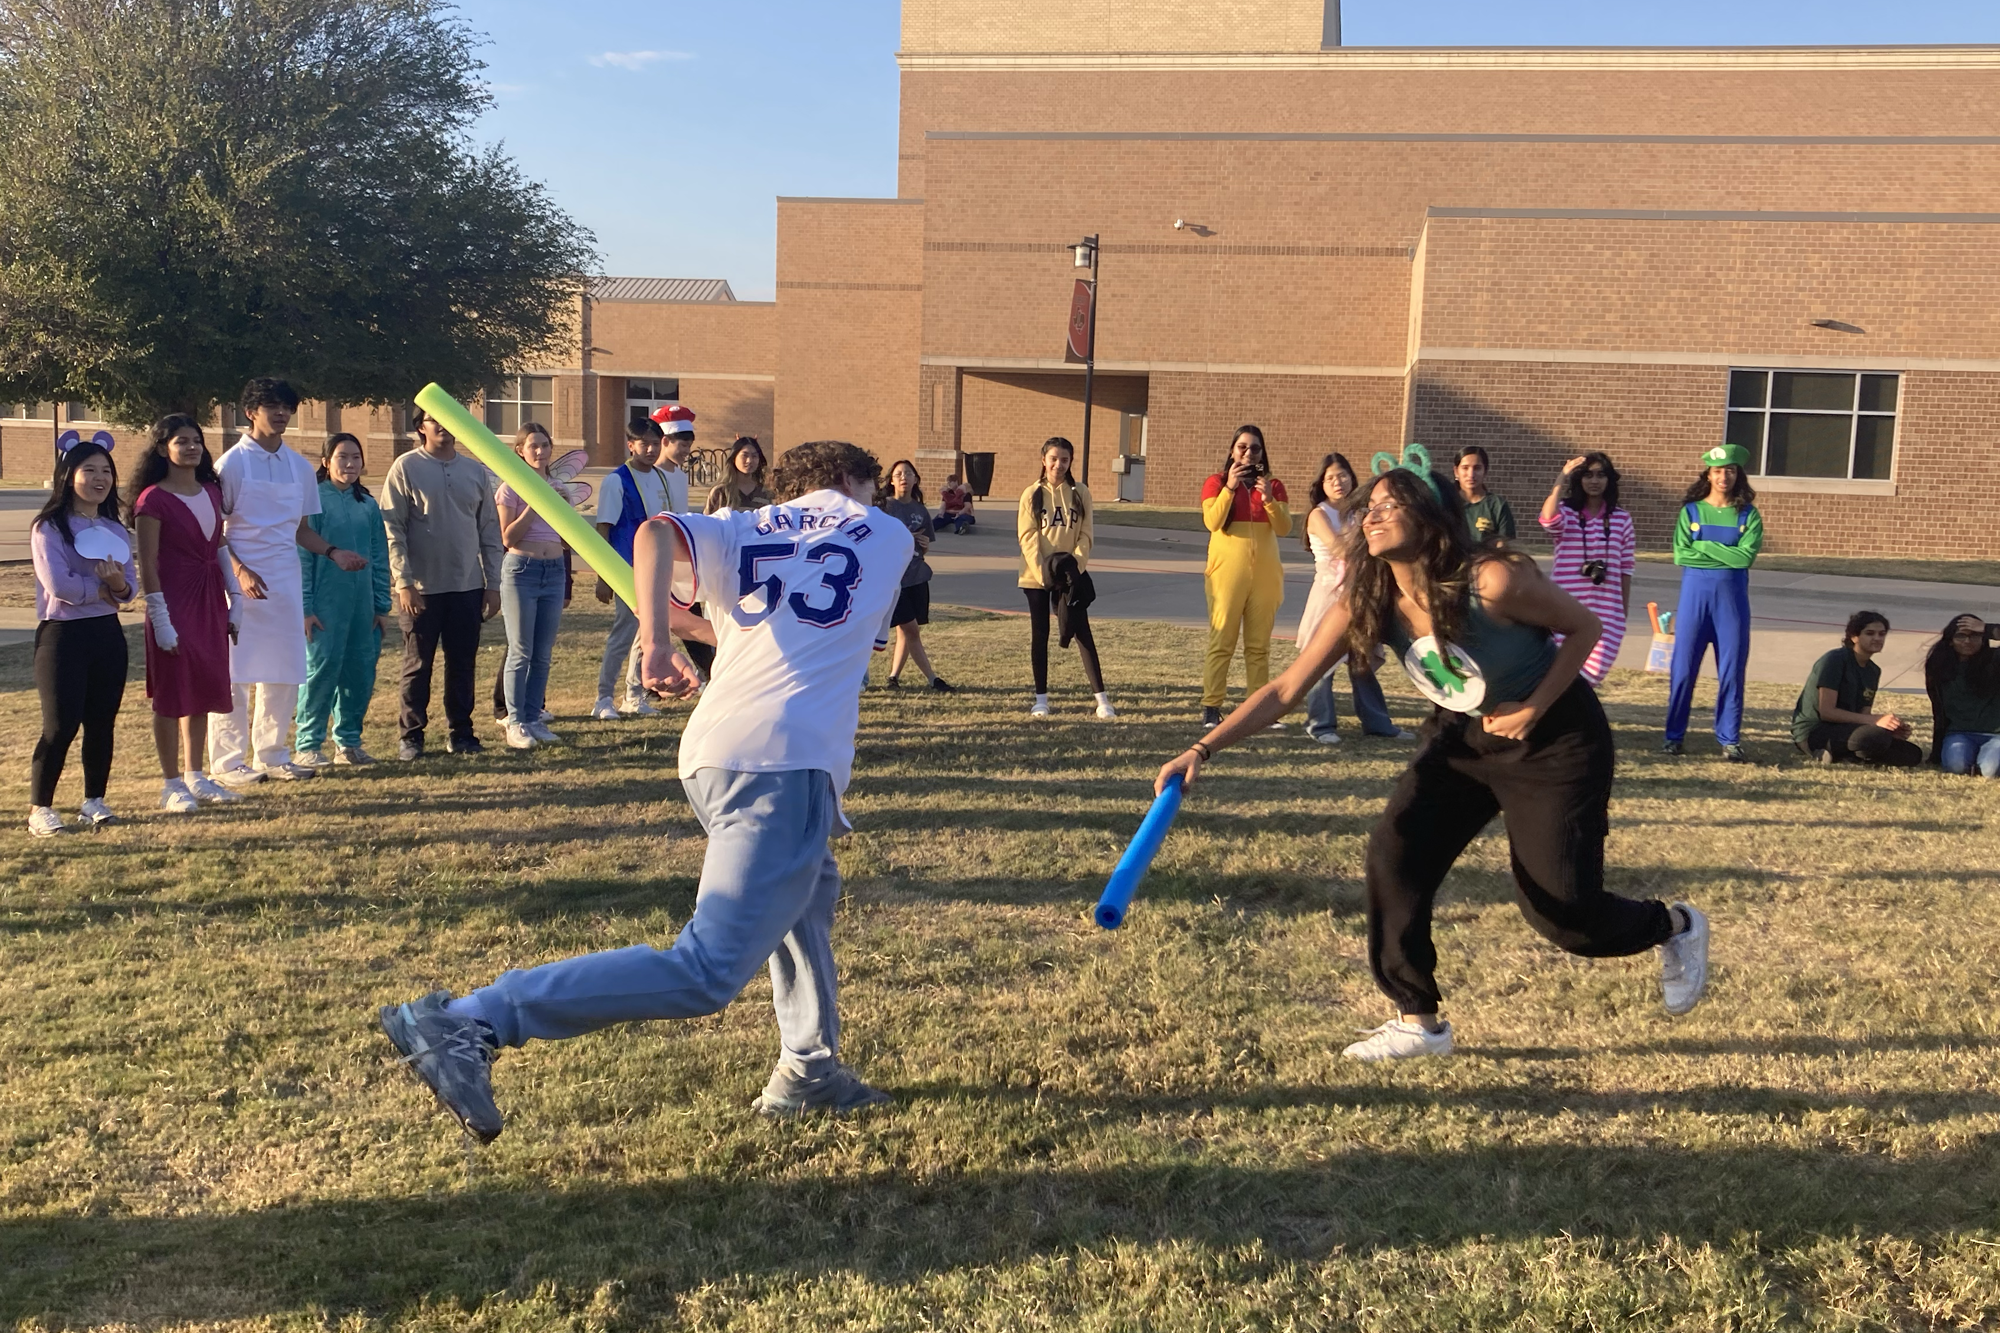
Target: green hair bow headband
1415, 459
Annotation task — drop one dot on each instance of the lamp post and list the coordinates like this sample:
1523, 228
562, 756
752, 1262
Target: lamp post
1086, 257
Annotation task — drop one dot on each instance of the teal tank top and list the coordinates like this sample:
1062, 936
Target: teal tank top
1494, 664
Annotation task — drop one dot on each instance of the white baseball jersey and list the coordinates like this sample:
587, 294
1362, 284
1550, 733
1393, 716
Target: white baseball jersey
800, 594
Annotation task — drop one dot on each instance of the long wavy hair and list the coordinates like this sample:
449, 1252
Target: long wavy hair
55, 510
1740, 493
1941, 663
1445, 563
153, 465
1573, 492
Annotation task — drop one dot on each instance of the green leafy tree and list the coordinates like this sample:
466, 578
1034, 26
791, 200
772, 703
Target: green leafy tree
193, 192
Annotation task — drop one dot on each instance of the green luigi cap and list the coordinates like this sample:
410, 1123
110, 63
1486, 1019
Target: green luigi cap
1725, 455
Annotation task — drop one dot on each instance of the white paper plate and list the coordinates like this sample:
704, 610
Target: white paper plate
102, 544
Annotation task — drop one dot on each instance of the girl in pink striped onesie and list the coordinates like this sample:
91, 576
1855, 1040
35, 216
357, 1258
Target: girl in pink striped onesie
1594, 550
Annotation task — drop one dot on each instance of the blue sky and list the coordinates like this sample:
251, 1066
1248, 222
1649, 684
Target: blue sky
668, 128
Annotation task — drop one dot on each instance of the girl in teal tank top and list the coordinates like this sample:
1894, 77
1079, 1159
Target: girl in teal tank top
1517, 732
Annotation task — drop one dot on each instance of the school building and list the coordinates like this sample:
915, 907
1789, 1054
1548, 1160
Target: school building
1543, 251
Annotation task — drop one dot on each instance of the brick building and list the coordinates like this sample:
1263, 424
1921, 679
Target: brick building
1539, 250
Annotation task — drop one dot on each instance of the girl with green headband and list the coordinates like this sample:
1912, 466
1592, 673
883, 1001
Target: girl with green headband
1516, 732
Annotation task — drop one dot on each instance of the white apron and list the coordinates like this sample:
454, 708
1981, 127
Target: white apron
270, 647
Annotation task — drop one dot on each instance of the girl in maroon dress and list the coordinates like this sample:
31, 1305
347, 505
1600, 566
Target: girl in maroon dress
178, 514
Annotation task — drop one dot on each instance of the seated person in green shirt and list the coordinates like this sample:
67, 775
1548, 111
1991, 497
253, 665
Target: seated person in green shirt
1962, 676
1833, 720
1487, 516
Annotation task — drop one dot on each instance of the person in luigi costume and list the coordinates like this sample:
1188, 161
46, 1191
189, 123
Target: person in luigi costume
1717, 536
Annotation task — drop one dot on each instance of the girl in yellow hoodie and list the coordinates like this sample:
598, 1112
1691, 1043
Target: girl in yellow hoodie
1244, 509
1054, 520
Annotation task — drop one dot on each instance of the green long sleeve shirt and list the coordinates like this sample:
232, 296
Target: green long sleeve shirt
1714, 555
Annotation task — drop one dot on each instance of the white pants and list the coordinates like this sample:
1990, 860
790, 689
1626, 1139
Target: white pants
230, 735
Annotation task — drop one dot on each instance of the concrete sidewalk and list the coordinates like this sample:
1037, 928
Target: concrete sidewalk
1156, 574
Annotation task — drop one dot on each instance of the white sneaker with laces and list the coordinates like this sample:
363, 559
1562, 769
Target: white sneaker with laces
314, 759
640, 706
291, 772
44, 822
604, 711
518, 737
352, 754
240, 776
540, 731
1398, 1040
205, 788
96, 812
1684, 963
176, 799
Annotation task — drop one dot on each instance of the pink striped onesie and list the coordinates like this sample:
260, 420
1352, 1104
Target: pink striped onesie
1579, 540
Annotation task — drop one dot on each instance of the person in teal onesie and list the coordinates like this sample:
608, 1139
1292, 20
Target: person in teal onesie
346, 613
1717, 536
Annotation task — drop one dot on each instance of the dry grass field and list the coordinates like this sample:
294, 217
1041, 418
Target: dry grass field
1142, 1130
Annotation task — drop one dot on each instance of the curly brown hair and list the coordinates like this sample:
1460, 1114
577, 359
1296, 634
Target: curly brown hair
1446, 564
821, 465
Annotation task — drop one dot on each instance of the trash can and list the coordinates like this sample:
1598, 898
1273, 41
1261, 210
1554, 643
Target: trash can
979, 473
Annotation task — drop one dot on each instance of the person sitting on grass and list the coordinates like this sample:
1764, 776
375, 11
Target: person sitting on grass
1833, 720
955, 506
1517, 732
1962, 676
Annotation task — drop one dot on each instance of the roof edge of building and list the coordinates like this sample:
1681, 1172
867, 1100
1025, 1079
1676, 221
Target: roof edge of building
844, 199
1709, 215
1963, 56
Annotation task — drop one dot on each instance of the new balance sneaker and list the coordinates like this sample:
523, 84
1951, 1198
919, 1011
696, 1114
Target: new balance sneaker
839, 1091
44, 822
453, 1056
1684, 962
176, 799
604, 711
313, 759
1398, 1040
242, 775
291, 772
639, 705
206, 788
518, 737
543, 736
352, 754
96, 812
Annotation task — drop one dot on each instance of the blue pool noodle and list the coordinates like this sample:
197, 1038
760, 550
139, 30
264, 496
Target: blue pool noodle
1117, 899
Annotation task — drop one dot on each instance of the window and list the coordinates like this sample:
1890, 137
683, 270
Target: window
79, 412
25, 411
642, 396
518, 399
1815, 423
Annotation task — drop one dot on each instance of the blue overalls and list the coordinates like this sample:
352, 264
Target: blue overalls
1714, 609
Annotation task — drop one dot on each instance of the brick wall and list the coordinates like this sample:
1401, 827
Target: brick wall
1010, 416
1192, 418
1112, 25
850, 280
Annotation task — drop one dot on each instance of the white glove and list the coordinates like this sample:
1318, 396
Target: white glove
163, 626
235, 611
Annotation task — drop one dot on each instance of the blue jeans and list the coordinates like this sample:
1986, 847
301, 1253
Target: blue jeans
531, 598
1964, 751
1714, 609
768, 887
1323, 715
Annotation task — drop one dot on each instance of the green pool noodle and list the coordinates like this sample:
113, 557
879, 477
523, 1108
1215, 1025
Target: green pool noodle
534, 488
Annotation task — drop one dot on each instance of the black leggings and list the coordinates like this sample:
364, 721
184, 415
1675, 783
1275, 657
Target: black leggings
1038, 641
1554, 790
1867, 743
80, 673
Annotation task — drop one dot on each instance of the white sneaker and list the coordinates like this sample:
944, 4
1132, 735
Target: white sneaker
540, 731
604, 711
1326, 737
240, 776
1275, 726
1684, 963
206, 788
176, 799
518, 737
1397, 1040
640, 706
96, 812
313, 759
352, 754
1107, 712
44, 822
292, 772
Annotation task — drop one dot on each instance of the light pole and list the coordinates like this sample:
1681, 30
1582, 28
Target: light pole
1086, 257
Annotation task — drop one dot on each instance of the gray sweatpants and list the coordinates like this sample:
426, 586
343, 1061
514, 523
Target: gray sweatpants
621, 646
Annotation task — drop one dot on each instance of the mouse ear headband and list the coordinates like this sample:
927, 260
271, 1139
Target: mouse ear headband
1416, 459
69, 439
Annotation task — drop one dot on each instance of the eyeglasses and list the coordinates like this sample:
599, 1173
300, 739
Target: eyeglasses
1375, 513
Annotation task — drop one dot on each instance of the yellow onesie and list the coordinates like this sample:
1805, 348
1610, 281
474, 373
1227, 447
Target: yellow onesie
1245, 582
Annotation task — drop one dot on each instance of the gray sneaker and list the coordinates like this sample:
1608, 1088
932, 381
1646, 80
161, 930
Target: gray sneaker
1684, 963
839, 1091
452, 1055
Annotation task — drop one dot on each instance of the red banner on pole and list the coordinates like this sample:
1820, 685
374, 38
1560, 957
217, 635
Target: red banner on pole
1078, 348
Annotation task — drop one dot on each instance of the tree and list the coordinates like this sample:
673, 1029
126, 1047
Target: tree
193, 192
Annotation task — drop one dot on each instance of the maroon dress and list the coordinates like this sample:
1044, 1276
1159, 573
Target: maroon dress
195, 679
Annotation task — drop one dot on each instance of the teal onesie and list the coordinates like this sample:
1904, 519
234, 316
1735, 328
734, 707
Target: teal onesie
341, 654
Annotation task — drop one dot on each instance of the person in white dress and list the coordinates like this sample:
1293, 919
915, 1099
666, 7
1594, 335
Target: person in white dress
1325, 533
268, 492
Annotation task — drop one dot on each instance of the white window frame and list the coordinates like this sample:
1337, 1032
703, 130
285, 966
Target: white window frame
651, 398
1785, 481
511, 392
